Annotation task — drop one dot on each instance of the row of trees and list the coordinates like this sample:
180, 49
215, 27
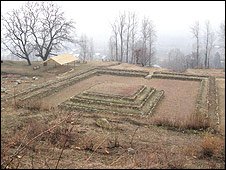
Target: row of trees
86, 48
178, 61
37, 28
132, 44
209, 41
207, 54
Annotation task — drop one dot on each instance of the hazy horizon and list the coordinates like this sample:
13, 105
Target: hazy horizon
171, 18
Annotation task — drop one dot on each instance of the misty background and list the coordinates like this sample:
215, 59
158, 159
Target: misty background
172, 20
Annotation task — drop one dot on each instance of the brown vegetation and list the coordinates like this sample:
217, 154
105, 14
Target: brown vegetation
36, 135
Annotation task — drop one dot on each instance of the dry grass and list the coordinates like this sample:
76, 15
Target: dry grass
165, 121
89, 146
32, 104
99, 146
30, 139
197, 121
209, 72
158, 157
212, 146
194, 121
127, 66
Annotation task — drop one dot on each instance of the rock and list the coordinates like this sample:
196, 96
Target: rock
3, 90
25, 78
131, 151
102, 122
19, 156
34, 78
73, 123
148, 76
18, 81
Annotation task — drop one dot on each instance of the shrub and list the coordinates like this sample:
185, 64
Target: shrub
36, 127
34, 105
212, 146
165, 121
197, 121
194, 121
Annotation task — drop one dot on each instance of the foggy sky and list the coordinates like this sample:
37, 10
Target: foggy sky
171, 18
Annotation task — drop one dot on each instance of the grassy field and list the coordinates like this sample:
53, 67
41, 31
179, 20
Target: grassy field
36, 133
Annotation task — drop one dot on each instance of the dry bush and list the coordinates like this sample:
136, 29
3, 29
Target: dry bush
146, 160
11, 143
166, 121
56, 136
96, 142
172, 159
87, 142
33, 138
212, 146
191, 150
9, 146
159, 158
197, 121
34, 105
22, 136
36, 127
59, 135
194, 121
176, 164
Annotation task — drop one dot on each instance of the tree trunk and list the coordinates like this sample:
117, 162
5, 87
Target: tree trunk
28, 61
127, 50
150, 54
197, 55
206, 56
121, 48
116, 49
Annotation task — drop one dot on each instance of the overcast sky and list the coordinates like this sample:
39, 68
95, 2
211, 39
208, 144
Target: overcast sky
171, 18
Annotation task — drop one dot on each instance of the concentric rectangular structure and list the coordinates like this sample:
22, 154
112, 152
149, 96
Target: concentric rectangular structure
116, 98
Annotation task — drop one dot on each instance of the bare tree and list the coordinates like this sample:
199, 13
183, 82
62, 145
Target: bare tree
191, 60
134, 26
112, 48
17, 37
128, 34
115, 31
209, 43
195, 29
138, 52
91, 49
49, 28
144, 39
121, 29
211, 46
217, 60
221, 35
152, 38
176, 60
124, 27
127, 26
84, 47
